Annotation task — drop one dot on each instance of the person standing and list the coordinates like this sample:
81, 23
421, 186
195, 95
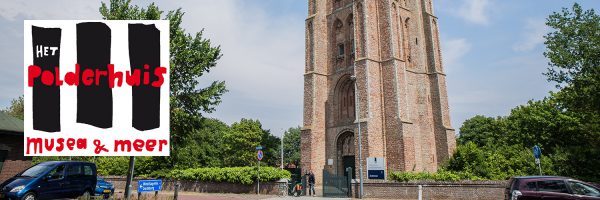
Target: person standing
311, 184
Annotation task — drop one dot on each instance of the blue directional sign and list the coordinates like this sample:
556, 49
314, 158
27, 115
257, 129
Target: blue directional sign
149, 185
537, 152
258, 147
259, 155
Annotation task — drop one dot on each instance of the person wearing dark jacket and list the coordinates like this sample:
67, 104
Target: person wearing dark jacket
311, 184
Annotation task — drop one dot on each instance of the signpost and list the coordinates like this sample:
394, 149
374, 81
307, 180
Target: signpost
259, 156
149, 186
537, 152
375, 168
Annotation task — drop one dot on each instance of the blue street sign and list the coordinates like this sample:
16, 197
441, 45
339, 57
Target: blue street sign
258, 147
376, 174
537, 152
149, 185
259, 155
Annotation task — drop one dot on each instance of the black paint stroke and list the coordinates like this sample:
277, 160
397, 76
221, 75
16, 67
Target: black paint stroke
46, 99
94, 102
144, 49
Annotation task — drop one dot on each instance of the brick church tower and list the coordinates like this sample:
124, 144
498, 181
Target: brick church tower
390, 51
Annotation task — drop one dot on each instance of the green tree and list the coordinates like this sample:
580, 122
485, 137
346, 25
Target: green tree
573, 48
291, 146
239, 144
16, 108
191, 57
482, 130
241, 141
203, 147
567, 143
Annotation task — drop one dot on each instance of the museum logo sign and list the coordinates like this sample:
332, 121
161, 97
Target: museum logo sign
96, 88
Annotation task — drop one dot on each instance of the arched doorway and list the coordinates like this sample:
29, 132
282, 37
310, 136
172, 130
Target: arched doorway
345, 153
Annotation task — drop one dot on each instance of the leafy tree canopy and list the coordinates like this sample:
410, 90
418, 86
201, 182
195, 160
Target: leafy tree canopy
16, 108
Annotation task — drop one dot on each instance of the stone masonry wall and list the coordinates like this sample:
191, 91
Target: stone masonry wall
205, 187
15, 161
468, 190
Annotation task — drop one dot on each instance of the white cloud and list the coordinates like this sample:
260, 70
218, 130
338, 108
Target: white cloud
475, 11
533, 35
453, 51
59, 9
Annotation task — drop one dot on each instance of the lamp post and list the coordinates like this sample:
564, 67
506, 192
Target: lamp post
357, 113
282, 135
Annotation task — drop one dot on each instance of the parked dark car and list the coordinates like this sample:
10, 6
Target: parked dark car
549, 187
104, 189
51, 180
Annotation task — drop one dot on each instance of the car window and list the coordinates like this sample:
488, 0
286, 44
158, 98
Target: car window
57, 173
531, 186
558, 186
36, 171
87, 170
74, 171
583, 189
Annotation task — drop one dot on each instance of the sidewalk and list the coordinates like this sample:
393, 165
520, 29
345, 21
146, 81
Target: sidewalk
168, 195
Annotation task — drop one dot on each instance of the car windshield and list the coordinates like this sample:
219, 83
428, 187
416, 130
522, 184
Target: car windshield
583, 189
36, 171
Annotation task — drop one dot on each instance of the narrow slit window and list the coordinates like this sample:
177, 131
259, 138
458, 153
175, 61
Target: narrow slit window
340, 50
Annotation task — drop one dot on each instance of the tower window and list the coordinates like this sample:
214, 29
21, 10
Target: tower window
353, 48
340, 50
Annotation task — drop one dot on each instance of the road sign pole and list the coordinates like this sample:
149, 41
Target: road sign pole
129, 181
537, 160
258, 179
357, 113
259, 156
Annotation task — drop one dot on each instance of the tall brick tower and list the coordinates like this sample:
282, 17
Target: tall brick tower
390, 51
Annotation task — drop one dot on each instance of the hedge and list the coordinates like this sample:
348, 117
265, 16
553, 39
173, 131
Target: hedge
436, 176
243, 175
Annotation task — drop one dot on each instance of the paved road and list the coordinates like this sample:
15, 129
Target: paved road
306, 198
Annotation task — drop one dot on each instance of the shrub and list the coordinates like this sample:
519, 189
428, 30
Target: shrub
243, 175
441, 175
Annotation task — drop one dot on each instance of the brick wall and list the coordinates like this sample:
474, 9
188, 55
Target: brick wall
206, 187
472, 190
15, 161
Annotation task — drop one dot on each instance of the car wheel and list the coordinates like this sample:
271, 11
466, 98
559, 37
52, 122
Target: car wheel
29, 196
86, 195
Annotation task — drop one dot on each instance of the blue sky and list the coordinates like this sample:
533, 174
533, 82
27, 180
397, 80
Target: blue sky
491, 49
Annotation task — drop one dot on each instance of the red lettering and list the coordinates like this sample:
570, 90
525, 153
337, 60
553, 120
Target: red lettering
57, 74
138, 145
161, 143
158, 72
70, 143
87, 77
112, 76
60, 142
73, 78
33, 72
98, 74
49, 145
47, 78
37, 145
81, 143
122, 144
146, 75
133, 79
150, 145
